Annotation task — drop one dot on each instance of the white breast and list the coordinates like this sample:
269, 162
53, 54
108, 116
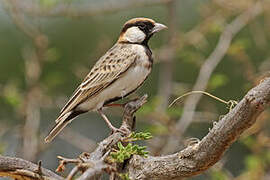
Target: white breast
128, 82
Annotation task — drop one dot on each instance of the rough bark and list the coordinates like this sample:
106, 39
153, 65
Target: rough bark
17, 168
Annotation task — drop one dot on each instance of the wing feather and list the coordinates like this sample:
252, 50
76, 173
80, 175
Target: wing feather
107, 69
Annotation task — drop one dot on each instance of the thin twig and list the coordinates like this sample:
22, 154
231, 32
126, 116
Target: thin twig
63, 161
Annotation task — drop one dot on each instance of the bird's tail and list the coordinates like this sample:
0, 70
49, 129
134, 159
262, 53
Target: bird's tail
62, 121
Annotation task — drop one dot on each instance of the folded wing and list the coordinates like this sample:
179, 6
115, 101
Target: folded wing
108, 69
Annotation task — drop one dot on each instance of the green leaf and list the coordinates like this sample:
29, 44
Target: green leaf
139, 136
125, 152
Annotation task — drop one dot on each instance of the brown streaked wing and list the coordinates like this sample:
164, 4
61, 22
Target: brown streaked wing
107, 69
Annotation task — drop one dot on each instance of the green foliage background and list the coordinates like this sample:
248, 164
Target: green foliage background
75, 43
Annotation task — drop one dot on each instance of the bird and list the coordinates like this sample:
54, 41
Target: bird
118, 73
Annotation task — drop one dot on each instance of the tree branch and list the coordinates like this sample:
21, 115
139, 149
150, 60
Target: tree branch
199, 157
21, 169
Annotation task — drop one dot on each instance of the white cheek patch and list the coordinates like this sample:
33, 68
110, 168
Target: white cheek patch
134, 35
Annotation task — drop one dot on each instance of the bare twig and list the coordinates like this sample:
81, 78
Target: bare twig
206, 70
63, 161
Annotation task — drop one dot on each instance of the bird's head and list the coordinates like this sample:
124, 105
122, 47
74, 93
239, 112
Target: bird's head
139, 30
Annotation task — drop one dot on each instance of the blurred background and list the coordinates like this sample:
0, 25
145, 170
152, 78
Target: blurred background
48, 46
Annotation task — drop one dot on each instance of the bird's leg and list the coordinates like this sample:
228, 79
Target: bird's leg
114, 129
107, 120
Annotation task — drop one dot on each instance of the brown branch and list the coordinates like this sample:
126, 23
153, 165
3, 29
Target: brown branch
21, 169
199, 157
207, 69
